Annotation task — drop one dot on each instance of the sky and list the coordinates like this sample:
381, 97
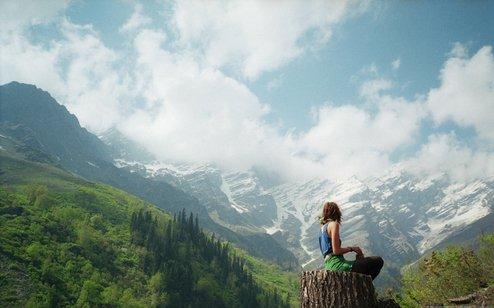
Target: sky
302, 88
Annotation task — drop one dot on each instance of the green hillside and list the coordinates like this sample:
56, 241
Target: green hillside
66, 241
25, 130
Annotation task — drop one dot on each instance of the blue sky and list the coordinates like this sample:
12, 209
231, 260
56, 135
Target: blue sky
419, 33
279, 84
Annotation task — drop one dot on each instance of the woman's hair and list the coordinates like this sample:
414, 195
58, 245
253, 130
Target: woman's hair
330, 211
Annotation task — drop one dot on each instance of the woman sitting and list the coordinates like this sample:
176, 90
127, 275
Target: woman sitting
330, 244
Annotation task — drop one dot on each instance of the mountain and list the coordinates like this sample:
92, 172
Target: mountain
236, 199
27, 112
122, 147
67, 241
398, 215
46, 131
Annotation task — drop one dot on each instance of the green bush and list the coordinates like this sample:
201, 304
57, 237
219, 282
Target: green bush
486, 255
453, 272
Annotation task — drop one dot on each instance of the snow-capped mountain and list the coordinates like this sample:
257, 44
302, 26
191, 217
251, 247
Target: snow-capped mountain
234, 199
399, 216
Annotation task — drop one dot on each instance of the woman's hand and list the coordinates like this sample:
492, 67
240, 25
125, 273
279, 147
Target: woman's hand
357, 250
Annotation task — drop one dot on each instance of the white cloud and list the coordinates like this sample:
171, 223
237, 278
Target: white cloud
369, 70
348, 140
95, 89
396, 64
25, 62
137, 19
274, 83
466, 93
458, 51
19, 59
371, 89
196, 113
78, 70
255, 36
15, 15
228, 127
444, 154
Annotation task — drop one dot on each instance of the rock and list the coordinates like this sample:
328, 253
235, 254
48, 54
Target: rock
463, 299
483, 298
321, 288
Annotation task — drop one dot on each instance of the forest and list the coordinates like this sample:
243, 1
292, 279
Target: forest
68, 242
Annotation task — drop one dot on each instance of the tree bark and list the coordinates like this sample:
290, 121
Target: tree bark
322, 288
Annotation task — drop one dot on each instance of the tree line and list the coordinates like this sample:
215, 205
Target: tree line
193, 268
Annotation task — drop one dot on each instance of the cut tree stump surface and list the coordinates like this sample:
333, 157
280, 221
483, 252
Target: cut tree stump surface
322, 288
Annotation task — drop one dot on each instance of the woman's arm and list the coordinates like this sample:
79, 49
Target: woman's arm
334, 232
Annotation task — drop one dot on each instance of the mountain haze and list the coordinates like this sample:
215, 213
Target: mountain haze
28, 113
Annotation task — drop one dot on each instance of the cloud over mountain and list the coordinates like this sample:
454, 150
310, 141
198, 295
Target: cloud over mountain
184, 90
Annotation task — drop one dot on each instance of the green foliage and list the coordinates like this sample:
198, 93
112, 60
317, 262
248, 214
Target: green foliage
68, 242
486, 255
195, 269
453, 272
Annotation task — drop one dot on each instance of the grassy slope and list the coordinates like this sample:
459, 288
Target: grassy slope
108, 208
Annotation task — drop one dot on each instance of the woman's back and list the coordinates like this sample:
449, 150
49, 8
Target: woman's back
325, 241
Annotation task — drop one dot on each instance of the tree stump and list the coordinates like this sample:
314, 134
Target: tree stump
322, 288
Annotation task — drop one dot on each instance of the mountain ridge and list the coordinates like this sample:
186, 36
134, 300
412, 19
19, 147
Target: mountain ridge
59, 134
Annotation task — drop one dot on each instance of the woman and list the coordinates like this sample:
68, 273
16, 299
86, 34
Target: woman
330, 244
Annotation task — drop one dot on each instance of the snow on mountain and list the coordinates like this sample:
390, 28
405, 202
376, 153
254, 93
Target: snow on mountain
398, 215
234, 199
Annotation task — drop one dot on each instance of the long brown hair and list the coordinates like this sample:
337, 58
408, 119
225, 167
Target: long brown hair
330, 211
